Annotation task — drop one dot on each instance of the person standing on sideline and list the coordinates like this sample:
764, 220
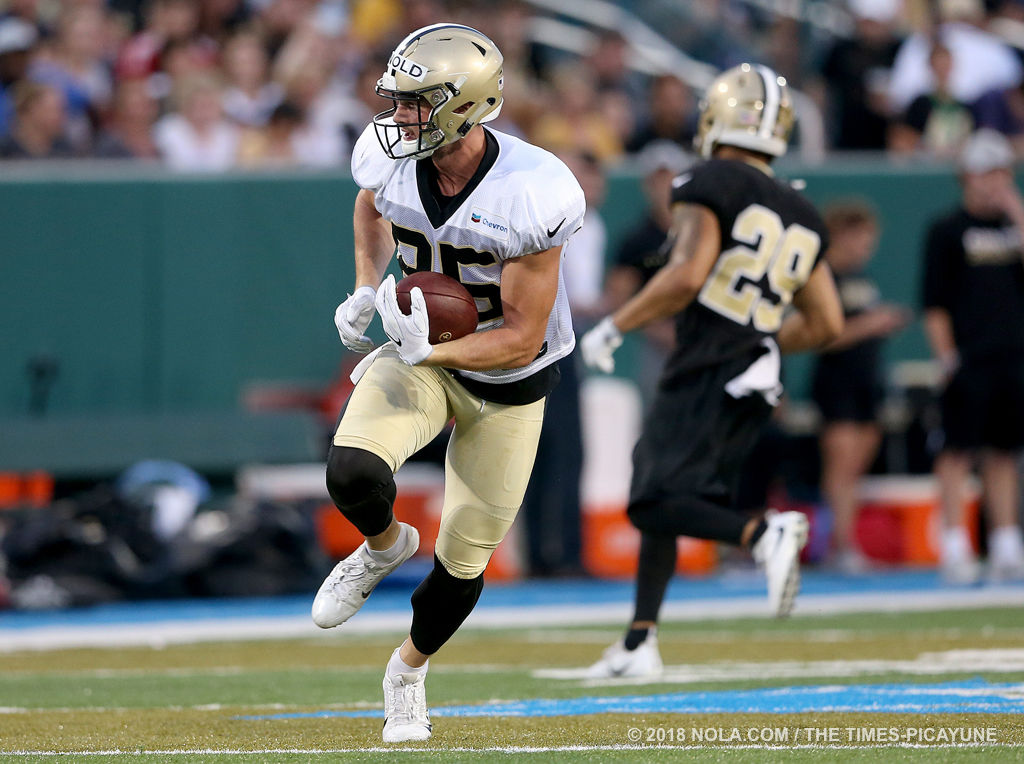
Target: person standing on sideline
745, 247
848, 385
974, 321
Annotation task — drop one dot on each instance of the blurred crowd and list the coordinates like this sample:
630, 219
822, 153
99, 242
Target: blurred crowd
206, 85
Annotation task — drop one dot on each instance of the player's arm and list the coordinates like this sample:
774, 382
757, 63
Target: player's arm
373, 250
374, 245
938, 329
695, 249
818, 318
529, 285
697, 240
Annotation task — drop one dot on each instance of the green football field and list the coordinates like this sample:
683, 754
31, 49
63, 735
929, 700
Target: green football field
291, 701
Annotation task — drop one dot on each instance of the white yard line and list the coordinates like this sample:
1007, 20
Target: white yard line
996, 660
507, 749
160, 633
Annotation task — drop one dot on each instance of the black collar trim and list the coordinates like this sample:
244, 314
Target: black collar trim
440, 208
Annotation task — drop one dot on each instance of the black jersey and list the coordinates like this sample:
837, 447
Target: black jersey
772, 238
974, 269
858, 294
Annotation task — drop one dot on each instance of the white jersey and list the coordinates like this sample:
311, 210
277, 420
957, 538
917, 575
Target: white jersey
523, 200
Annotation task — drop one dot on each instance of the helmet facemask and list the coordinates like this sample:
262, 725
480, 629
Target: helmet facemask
428, 136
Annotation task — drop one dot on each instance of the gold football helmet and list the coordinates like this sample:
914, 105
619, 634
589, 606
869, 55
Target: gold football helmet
748, 106
454, 74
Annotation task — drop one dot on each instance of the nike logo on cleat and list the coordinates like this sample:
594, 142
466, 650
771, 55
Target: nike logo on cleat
554, 230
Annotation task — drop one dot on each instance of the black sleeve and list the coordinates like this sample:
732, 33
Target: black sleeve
918, 112
708, 184
938, 278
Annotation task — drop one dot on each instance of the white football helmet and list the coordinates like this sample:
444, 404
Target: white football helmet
454, 72
748, 106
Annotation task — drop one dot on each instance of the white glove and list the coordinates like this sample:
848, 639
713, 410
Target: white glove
409, 333
353, 316
599, 344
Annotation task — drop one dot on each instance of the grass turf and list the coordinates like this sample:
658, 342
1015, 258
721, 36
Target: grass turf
188, 698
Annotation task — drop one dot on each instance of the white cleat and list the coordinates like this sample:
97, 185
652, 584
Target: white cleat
406, 718
778, 552
617, 661
965, 571
345, 590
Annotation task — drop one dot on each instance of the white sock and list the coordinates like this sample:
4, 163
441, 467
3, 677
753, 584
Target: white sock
392, 553
397, 666
956, 545
1005, 544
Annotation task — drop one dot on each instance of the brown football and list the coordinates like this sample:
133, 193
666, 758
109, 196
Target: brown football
450, 307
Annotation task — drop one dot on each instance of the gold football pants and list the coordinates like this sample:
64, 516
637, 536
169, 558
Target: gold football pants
395, 410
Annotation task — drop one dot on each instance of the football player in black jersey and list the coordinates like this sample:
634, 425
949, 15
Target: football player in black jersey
746, 247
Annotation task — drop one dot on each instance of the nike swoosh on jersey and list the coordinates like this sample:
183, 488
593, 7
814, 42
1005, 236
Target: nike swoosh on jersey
554, 230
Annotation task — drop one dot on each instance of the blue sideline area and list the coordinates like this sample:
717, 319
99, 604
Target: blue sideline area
392, 597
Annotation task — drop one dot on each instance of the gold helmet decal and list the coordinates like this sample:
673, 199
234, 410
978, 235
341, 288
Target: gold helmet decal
453, 73
748, 106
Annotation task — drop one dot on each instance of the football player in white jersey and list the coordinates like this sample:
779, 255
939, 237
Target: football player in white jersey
446, 194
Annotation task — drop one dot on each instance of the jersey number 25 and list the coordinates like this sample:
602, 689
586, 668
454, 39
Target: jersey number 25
785, 254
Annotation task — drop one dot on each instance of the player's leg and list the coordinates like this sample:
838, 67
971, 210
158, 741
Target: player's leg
487, 468
393, 412
636, 654
1002, 497
847, 450
963, 426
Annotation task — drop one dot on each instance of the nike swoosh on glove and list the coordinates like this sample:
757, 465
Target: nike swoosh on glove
409, 333
599, 345
353, 316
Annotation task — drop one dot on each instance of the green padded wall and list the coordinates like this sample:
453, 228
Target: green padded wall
164, 294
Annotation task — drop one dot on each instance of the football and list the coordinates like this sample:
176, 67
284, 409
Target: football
450, 307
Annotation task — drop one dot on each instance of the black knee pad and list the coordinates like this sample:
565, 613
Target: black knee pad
362, 487
439, 606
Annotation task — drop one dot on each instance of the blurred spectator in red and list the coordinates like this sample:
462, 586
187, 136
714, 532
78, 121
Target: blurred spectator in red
857, 71
981, 61
974, 321
573, 122
167, 21
129, 131
197, 137
75, 64
668, 115
38, 131
17, 41
935, 122
250, 96
848, 385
